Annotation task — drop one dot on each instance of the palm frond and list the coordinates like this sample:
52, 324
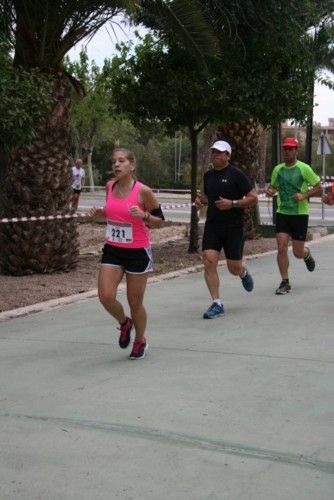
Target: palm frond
186, 22
325, 80
46, 30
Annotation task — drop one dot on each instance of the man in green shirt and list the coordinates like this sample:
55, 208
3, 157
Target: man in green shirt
291, 180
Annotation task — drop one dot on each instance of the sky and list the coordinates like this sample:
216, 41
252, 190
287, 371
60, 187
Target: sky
103, 46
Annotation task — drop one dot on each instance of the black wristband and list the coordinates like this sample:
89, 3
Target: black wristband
157, 212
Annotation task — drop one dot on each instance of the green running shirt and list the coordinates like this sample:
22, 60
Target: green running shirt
289, 181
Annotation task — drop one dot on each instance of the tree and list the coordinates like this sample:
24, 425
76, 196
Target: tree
273, 63
162, 83
37, 175
94, 121
90, 112
261, 79
24, 98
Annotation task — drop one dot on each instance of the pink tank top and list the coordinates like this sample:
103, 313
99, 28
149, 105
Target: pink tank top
123, 229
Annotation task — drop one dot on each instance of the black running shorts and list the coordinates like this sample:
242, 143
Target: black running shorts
132, 260
294, 225
231, 238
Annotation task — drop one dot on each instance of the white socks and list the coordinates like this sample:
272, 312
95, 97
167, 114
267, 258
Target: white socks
244, 273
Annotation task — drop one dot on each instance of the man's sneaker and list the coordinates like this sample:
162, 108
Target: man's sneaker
125, 336
284, 288
139, 349
247, 282
309, 262
214, 311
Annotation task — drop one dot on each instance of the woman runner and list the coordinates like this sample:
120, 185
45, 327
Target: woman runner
131, 207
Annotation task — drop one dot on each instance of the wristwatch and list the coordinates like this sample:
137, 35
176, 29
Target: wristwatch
234, 203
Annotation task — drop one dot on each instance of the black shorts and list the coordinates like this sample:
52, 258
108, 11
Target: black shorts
132, 260
76, 191
294, 225
231, 238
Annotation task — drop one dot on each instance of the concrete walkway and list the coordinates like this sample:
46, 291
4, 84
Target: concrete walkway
241, 407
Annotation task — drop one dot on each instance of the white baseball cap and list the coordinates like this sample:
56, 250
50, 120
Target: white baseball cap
222, 146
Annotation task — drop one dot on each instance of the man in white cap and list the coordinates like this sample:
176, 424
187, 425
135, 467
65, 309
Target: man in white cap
227, 192
291, 180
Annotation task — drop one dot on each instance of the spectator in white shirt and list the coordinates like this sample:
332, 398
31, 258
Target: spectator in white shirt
78, 180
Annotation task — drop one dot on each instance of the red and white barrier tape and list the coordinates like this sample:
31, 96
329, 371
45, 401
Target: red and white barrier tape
82, 215
179, 205
77, 215
43, 217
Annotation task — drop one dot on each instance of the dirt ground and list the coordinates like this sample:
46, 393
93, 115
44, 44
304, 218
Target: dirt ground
170, 251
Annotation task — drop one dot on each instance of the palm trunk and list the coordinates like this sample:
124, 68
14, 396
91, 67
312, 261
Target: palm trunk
37, 183
193, 239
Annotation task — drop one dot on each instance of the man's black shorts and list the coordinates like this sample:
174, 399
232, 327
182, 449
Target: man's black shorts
294, 225
231, 238
132, 260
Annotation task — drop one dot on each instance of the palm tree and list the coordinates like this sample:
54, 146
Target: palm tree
38, 176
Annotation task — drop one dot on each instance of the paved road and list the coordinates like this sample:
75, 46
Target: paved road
237, 408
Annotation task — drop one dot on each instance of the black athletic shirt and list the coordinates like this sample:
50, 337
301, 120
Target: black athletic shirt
231, 183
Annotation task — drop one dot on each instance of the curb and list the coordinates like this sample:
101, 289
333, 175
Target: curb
80, 297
